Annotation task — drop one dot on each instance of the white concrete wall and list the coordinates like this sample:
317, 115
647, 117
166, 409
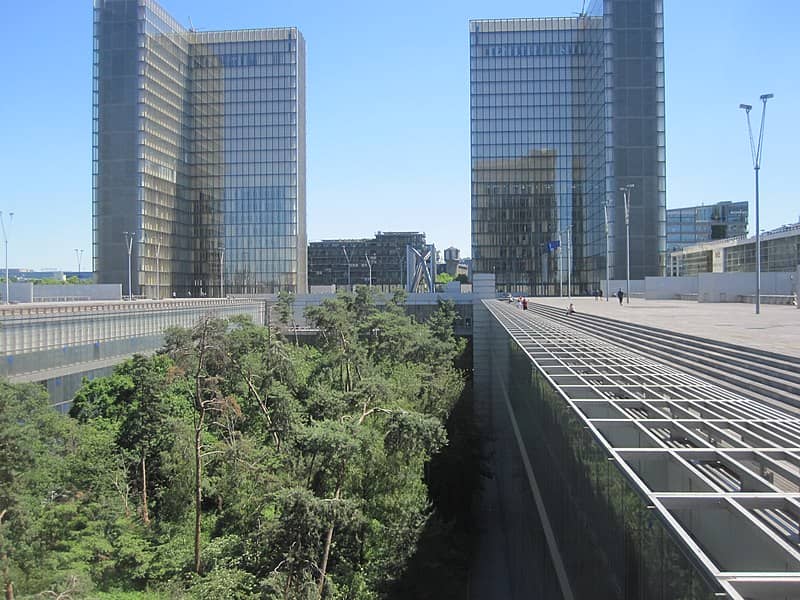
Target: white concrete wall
19, 291
66, 292
728, 287
637, 286
669, 288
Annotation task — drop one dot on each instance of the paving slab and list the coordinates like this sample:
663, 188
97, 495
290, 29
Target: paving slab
776, 329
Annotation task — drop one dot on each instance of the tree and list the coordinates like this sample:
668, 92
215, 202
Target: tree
285, 308
203, 356
139, 403
444, 277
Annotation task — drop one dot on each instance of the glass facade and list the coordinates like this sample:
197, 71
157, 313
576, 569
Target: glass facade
695, 224
199, 148
564, 111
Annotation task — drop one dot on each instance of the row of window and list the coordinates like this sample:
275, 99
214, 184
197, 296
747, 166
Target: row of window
550, 80
594, 118
541, 118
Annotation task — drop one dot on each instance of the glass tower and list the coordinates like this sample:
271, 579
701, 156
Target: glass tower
564, 112
199, 150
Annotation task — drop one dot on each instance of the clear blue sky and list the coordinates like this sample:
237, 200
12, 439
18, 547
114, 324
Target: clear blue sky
388, 111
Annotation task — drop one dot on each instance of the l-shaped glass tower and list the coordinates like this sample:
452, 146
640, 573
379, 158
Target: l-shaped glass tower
198, 153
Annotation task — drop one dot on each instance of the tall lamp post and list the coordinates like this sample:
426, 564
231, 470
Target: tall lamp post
5, 240
347, 259
626, 196
129, 235
569, 263
222, 272
369, 265
78, 255
158, 271
605, 214
560, 267
755, 151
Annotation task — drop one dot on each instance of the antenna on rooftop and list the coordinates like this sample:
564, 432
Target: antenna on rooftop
582, 14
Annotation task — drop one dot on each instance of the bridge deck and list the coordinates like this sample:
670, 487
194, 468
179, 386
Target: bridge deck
776, 329
722, 470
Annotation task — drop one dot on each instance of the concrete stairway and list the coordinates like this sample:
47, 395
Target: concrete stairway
771, 377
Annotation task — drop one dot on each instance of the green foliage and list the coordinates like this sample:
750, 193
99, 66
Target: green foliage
292, 470
285, 307
444, 278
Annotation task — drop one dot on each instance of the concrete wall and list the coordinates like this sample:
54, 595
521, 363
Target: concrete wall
670, 288
18, 291
637, 286
728, 287
720, 287
69, 292
22, 292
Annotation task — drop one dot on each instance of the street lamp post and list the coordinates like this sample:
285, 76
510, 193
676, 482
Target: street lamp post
605, 214
569, 264
626, 196
369, 265
755, 151
222, 272
347, 259
158, 271
78, 255
129, 235
560, 265
5, 240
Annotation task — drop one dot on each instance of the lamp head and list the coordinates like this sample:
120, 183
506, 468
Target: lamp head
747, 107
766, 97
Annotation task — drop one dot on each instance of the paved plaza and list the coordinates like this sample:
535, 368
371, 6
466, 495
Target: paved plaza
776, 329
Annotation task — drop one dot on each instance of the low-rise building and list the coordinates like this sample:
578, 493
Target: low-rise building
694, 224
379, 261
780, 252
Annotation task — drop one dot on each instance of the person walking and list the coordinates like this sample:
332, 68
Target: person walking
524, 304
620, 295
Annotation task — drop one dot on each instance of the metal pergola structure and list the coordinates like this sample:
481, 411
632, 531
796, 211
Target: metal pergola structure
722, 470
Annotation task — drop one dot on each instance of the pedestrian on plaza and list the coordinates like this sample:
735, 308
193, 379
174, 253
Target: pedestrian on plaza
524, 304
600, 293
519, 302
571, 309
620, 295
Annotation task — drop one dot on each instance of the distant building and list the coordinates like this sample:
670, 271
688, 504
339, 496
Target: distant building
695, 224
199, 150
780, 252
80, 275
386, 253
453, 265
452, 253
31, 275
